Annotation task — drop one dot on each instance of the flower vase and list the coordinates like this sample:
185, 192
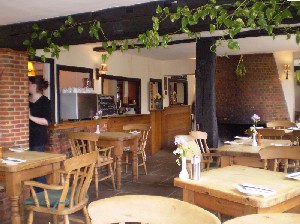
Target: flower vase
183, 173
98, 129
254, 142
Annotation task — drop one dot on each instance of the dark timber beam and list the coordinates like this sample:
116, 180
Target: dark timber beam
206, 119
118, 24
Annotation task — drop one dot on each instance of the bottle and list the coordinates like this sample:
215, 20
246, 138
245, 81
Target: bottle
196, 167
258, 139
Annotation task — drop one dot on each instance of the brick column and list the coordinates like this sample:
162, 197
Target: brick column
13, 98
14, 111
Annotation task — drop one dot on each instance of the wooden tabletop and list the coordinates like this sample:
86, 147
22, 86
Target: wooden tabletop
33, 159
273, 218
117, 136
221, 183
247, 148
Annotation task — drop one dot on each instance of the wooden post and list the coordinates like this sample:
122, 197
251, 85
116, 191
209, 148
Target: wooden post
206, 118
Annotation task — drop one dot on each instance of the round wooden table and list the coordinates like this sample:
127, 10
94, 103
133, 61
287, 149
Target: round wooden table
272, 218
148, 209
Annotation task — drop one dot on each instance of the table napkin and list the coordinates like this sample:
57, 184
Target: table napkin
255, 190
241, 137
135, 132
295, 176
293, 128
277, 144
12, 160
13, 149
233, 143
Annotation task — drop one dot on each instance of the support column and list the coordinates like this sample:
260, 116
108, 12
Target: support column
206, 118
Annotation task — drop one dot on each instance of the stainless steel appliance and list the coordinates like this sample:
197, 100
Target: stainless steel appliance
78, 105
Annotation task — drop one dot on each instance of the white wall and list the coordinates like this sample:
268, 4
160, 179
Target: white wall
288, 85
296, 56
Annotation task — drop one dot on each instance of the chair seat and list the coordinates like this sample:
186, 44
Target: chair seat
104, 159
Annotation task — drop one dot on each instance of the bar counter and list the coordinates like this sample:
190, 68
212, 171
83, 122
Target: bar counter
165, 124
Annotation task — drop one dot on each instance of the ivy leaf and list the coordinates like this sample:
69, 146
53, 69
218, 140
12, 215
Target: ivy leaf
46, 49
56, 34
298, 38
288, 36
80, 29
35, 27
69, 21
159, 10
233, 45
62, 28
67, 47
212, 28
26, 42
34, 35
43, 58
43, 34
104, 58
104, 45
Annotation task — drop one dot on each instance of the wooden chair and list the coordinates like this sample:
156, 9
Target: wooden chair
280, 124
272, 218
281, 154
144, 129
295, 137
269, 133
84, 142
148, 209
200, 138
62, 200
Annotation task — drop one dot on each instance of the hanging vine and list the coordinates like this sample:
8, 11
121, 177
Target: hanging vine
231, 19
240, 70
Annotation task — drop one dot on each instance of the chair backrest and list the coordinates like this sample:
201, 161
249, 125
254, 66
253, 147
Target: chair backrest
280, 124
276, 153
295, 137
82, 142
143, 128
136, 208
201, 140
269, 133
79, 171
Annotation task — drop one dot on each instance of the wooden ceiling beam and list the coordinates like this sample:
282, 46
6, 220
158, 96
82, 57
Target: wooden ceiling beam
118, 24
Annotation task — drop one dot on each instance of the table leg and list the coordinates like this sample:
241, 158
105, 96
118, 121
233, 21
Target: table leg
15, 210
134, 160
118, 170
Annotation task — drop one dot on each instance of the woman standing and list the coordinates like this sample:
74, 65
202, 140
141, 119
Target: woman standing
39, 116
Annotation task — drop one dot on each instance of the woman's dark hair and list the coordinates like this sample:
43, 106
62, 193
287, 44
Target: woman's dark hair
40, 82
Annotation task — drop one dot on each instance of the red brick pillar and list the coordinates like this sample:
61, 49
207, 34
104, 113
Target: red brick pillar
13, 98
14, 111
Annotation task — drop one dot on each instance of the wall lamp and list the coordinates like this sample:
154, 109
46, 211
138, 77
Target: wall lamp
102, 70
286, 68
31, 71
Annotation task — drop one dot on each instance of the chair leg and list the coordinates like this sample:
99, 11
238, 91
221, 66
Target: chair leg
86, 215
112, 176
30, 217
144, 163
126, 160
96, 182
66, 219
55, 219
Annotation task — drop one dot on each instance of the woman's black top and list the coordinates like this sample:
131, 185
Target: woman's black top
38, 133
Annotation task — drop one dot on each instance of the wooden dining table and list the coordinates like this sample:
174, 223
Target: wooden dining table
37, 164
120, 140
245, 154
216, 190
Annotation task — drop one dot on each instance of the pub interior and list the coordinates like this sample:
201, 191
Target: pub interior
182, 134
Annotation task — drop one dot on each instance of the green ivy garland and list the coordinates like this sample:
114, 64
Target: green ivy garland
231, 19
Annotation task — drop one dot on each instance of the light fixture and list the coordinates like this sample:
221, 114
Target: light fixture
286, 68
31, 71
103, 69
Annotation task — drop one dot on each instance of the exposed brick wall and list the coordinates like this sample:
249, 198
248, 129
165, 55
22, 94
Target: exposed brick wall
13, 112
259, 92
13, 98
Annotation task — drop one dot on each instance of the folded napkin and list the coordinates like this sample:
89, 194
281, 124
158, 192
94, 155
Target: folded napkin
12, 161
295, 176
135, 132
233, 143
277, 144
14, 149
255, 190
259, 127
241, 137
293, 128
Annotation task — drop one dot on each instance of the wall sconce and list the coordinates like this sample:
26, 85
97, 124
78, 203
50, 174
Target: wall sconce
31, 70
287, 68
101, 71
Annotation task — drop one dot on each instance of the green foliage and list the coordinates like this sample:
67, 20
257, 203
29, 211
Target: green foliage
265, 15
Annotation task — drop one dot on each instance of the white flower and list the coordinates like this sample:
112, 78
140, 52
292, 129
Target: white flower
180, 141
255, 117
